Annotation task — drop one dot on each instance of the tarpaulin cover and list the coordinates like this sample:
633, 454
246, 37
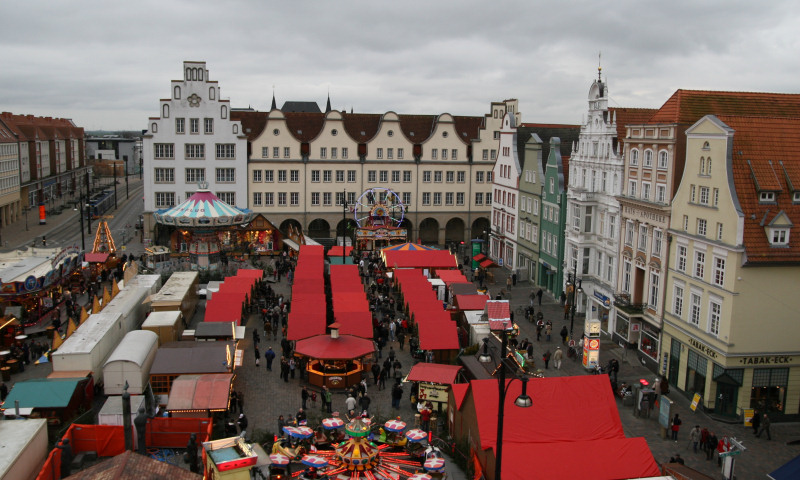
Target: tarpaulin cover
250, 272
306, 324
177, 358
434, 373
451, 276
43, 392
312, 250
346, 347
438, 336
200, 392
229, 294
174, 432
419, 259
463, 288
460, 393
106, 440
488, 263
240, 280
565, 409
789, 471
471, 302
607, 459
350, 302
336, 251
358, 324
221, 311
479, 257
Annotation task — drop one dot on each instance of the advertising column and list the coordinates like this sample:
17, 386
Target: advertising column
591, 344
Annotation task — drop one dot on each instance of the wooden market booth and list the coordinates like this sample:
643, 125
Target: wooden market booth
335, 361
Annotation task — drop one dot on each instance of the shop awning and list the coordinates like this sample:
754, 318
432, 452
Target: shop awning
488, 263
291, 244
479, 257
434, 373
471, 302
200, 392
346, 347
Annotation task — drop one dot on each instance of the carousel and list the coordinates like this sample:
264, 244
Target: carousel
335, 361
203, 227
379, 214
359, 452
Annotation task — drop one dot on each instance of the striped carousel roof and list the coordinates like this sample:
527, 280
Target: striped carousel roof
203, 209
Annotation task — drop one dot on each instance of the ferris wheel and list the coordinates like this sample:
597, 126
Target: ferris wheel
379, 206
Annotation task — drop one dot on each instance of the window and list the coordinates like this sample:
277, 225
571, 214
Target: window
223, 112
780, 236
282, 199
264, 152
226, 175
478, 198
194, 151
701, 227
478, 177
164, 175
226, 151
634, 157
655, 279
294, 176
294, 199
645, 191
334, 152
576, 217
631, 188
194, 175
686, 223
694, 313
612, 227
340, 176
269, 176
384, 176
535, 208
648, 158
275, 152
286, 151
489, 176
719, 271
661, 193
699, 264
662, 159
486, 154
426, 198
351, 176
680, 261
209, 125
692, 194
714, 317
315, 198
426, 176
552, 186
494, 154
459, 198
704, 195
257, 199
282, 175
163, 150
444, 154
390, 153
766, 197
165, 199
326, 176
702, 166
626, 276
194, 125
395, 176
407, 198
314, 176
227, 197
372, 176
437, 198
399, 153
642, 238
380, 153
657, 241
719, 231
448, 198
177, 93
716, 197
180, 125
488, 198
406, 176
434, 153
437, 176
450, 177
454, 154
326, 199
269, 199
323, 152
344, 153
629, 233
677, 301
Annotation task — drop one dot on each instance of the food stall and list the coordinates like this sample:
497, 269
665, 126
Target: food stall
432, 382
335, 361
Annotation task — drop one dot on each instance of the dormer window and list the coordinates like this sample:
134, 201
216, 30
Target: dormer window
706, 146
766, 197
779, 236
796, 197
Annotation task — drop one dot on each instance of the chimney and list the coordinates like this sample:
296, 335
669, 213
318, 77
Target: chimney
334, 330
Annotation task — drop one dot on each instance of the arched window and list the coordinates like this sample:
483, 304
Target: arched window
199, 73
662, 159
495, 114
648, 158
154, 128
702, 165
708, 166
223, 111
706, 146
177, 93
235, 129
211, 93
188, 74
194, 74
165, 111
634, 157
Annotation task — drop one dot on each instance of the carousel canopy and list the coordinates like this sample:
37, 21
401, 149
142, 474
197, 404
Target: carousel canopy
408, 246
203, 209
346, 347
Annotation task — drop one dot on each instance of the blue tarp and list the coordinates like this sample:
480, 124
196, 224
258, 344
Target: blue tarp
789, 471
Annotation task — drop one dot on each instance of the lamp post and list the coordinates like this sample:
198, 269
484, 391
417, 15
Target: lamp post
114, 165
522, 401
83, 210
485, 243
344, 222
575, 283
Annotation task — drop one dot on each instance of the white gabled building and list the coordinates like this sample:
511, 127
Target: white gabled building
193, 140
505, 195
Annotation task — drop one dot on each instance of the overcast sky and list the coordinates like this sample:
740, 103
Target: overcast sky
106, 63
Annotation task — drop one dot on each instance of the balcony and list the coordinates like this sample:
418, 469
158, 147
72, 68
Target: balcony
623, 302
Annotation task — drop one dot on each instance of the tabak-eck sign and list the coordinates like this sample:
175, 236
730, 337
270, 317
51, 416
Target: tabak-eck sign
432, 392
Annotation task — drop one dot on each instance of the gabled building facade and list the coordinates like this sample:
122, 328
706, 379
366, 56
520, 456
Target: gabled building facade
505, 197
553, 220
530, 201
734, 265
193, 140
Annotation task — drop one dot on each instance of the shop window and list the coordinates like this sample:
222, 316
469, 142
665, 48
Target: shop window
696, 367
622, 326
648, 343
769, 389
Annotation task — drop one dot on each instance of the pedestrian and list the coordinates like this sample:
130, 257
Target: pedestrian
269, 355
694, 437
292, 367
396, 366
548, 331
365, 401
257, 354
756, 421
764, 427
304, 396
376, 372
301, 418
676, 427
234, 401
242, 422
391, 354
546, 358
382, 378
397, 395
281, 424
327, 399
711, 445
557, 358
508, 284
350, 402
564, 332
401, 338
562, 298
425, 417
284, 370
539, 328
678, 459
539, 296
256, 338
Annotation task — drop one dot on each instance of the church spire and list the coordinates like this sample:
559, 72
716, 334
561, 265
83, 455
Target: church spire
599, 66
274, 105
328, 106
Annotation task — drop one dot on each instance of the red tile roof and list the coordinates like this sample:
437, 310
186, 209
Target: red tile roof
770, 155
689, 106
132, 466
252, 122
362, 126
417, 128
629, 116
468, 127
305, 126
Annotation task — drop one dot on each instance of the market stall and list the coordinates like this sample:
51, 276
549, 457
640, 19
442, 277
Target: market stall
335, 361
200, 396
129, 363
185, 358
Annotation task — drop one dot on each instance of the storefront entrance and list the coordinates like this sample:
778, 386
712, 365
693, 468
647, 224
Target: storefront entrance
674, 362
727, 396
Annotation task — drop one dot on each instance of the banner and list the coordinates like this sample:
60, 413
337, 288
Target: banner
695, 401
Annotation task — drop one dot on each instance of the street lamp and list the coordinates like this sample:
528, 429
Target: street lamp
574, 282
344, 222
83, 209
485, 242
522, 401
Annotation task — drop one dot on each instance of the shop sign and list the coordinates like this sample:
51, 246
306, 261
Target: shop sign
606, 301
635, 327
703, 348
594, 344
334, 380
695, 401
432, 392
767, 360
749, 413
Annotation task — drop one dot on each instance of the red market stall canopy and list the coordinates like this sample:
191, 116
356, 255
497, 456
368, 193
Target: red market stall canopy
358, 324
419, 259
200, 392
488, 263
306, 301
451, 276
471, 302
499, 314
336, 251
350, 302
250, 273
96, 257
308, 285
312, 251
345, 347
479, 257
306, 324
434, 373
438, 335
223, 311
